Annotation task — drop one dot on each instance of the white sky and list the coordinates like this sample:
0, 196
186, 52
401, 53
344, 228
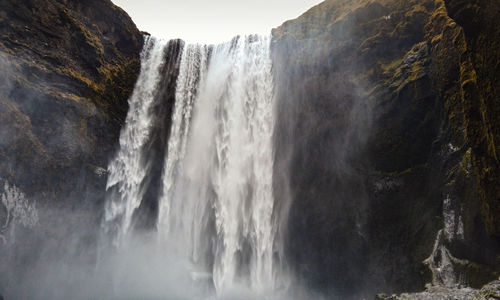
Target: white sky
211, 21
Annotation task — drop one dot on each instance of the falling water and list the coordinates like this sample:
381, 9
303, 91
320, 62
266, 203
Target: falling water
127, 170
216, 205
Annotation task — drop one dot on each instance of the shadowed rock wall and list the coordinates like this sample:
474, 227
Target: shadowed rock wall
67, 69
385, 145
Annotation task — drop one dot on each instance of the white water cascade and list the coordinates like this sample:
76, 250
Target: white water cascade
127, 170
216, 203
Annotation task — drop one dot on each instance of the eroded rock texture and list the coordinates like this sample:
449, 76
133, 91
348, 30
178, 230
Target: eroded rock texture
66, 71
388, 117
68, 68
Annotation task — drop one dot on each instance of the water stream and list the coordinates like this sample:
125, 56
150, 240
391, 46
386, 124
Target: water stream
216, 203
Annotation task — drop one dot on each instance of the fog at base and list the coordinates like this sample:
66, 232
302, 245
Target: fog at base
139, 270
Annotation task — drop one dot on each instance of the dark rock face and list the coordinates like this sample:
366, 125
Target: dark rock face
67, 69
480, 83
386, 146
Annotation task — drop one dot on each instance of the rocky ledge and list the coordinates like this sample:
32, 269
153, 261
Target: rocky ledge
490, 291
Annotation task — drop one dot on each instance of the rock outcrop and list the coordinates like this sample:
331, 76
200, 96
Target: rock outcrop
67, 69
388, 118
480, 86
490, 291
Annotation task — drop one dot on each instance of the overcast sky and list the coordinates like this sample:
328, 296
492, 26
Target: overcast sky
211, 21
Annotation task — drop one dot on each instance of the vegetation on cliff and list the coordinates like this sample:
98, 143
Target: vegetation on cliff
392, 90
68, 68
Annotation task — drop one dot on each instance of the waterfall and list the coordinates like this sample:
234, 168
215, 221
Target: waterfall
128, 169
216, 202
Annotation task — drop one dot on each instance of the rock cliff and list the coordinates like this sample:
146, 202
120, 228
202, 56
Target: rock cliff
388, 122
68, 68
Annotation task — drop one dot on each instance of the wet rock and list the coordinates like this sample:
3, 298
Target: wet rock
480, 91
367, 112
67, 69
490, 291
433, 293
